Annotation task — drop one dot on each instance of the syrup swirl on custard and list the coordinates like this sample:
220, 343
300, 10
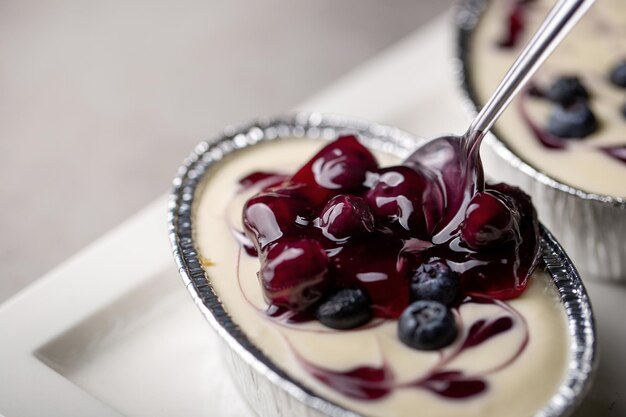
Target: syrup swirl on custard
376, 382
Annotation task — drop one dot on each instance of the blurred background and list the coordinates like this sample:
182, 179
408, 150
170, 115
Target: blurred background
101, 101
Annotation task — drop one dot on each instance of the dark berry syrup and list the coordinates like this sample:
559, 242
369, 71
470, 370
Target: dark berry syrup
515, 24
342, 221
618, 152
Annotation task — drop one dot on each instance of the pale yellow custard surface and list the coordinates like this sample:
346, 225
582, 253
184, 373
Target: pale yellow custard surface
518, 390
590, 51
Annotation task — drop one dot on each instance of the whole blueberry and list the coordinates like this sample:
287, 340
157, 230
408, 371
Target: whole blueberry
624, 110
489, 221
345, 309
427, 325
273, 214
618, 74
338, 168
435, 281
294, 273
567, 90
574, 121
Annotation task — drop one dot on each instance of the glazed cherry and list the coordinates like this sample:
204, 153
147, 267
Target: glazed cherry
294, 273
489, 220
399, 198
502, 270
346, 216
529, 248
273, 214
340, 167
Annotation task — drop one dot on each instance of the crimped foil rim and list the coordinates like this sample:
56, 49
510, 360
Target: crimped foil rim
467, 14
573, 295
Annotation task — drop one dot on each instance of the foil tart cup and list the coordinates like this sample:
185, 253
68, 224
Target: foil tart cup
267, 389
591, 227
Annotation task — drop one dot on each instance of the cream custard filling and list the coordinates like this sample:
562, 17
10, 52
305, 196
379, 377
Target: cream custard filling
519, 388
590, 51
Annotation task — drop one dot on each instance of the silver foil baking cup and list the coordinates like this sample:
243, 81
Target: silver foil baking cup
591, 227
267, 389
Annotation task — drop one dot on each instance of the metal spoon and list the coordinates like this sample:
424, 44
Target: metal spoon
455, 159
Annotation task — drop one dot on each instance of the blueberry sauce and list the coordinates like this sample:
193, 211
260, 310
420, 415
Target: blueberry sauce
261, 179
534, 90
515, 24
285, 315
410, 207
362, 383
453, 384
244, 242
483, 330
617, 152
372, 383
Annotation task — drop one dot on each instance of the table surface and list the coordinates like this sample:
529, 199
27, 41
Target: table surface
113, 332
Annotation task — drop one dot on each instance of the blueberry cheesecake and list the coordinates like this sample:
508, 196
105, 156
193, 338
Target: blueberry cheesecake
330, 259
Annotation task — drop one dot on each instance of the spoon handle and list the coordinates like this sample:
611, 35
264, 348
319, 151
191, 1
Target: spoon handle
563, 16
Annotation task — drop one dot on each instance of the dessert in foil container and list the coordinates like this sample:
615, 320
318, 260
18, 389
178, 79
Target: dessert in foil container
315, 262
